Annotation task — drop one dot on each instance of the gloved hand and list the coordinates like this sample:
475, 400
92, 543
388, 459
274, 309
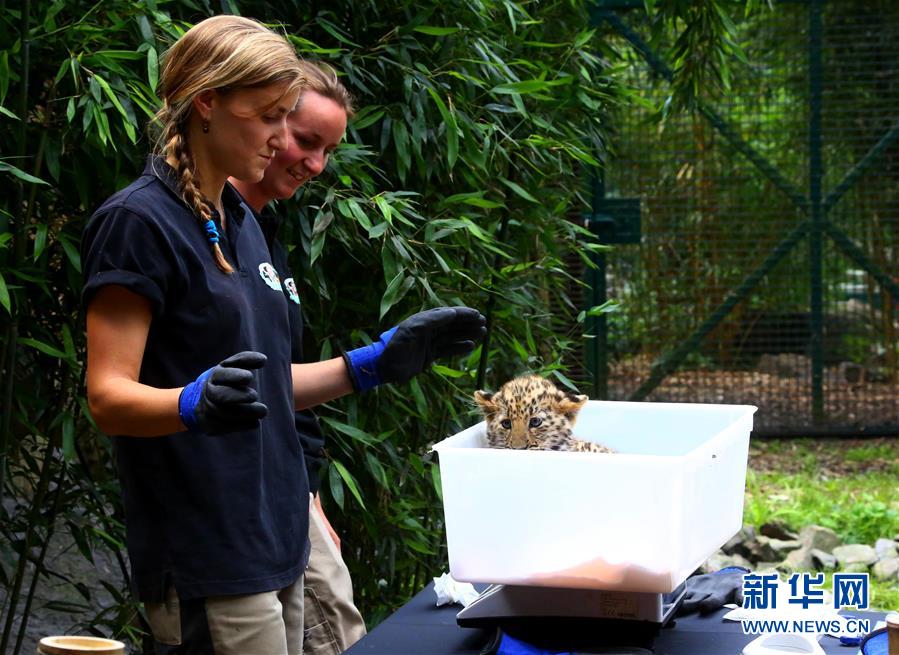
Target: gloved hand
409, 348
712, 591
221, 399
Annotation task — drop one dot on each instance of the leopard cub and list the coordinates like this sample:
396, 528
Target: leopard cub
530, 412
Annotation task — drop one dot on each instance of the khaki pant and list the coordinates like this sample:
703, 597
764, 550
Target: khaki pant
270, 623
332, 622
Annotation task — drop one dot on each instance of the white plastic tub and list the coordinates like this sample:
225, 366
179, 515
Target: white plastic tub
641, 519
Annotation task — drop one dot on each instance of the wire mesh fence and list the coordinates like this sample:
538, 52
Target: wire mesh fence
767, 264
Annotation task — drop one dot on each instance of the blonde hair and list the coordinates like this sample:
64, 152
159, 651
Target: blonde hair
223, 53
322, 78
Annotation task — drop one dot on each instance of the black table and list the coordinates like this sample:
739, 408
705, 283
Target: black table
421, 628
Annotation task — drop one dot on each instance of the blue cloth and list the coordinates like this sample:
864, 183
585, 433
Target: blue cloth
511, 646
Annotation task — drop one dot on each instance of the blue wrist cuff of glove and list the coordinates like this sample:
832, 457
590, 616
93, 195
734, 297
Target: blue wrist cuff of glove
187, 401
363, 362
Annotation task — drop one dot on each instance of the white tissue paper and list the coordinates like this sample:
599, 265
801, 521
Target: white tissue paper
451, 591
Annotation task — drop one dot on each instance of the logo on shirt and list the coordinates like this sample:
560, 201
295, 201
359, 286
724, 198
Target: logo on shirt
291, 287
270, 276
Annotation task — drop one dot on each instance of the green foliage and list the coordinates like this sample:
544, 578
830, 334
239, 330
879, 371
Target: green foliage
861, 508
857, 501
477, 123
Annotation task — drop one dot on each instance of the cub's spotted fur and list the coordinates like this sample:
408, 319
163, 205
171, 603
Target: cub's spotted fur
530, 412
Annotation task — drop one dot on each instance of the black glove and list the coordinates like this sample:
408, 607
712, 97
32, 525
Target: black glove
221, 399
711, 591
409, 348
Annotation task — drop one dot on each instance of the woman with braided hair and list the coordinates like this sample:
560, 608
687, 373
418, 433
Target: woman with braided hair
178, 279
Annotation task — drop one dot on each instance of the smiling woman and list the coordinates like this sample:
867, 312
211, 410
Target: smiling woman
315, 129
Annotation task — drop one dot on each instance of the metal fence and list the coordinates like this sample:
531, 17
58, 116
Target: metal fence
756, 239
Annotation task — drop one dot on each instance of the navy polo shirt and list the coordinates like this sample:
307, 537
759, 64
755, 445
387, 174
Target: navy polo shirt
214, 515
307, 425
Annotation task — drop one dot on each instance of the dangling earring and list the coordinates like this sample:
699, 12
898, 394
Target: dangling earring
205, 126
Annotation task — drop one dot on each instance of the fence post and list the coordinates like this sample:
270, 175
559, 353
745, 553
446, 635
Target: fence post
816, 171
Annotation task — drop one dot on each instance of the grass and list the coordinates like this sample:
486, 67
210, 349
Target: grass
849, 486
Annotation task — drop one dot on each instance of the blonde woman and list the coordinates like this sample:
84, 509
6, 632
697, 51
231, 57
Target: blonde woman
188, 356
315, 129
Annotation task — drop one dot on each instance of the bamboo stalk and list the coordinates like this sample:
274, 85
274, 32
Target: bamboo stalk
39, 564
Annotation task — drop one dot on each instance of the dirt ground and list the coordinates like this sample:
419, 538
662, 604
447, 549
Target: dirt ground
782, 393
833, 457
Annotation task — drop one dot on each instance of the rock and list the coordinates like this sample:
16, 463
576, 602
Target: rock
722, 560
819, 537
775, 549
886, 549
765, 568
778, 530
855, 567
798, 560
823, 560
851, 372
855, 554
886, 569
741, 543
785, 365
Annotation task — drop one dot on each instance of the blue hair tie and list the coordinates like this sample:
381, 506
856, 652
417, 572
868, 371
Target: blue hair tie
211, 232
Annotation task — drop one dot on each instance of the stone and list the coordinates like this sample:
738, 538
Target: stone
854, 567
855, 554
778, 530
776, 549
741, 543
798, 560
819, 537
823, 560
765, 568
722, 560
886, 569
886, 549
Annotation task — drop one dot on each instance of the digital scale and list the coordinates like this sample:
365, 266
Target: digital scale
574, 618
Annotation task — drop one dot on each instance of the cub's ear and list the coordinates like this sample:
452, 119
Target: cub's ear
570, 404
485, 400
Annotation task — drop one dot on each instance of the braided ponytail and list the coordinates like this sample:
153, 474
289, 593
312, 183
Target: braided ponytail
222, 53
176, 146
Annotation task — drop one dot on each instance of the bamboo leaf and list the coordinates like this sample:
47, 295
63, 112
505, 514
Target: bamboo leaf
4, 75
22, 175
335, 485
152, 68
434, 30
40, 240
452, 134
519, 190
71, 252
45, 348
4, 295
350, 482
391, 294
350, 431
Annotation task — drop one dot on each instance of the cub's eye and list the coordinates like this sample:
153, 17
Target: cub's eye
535, 422
506, 423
